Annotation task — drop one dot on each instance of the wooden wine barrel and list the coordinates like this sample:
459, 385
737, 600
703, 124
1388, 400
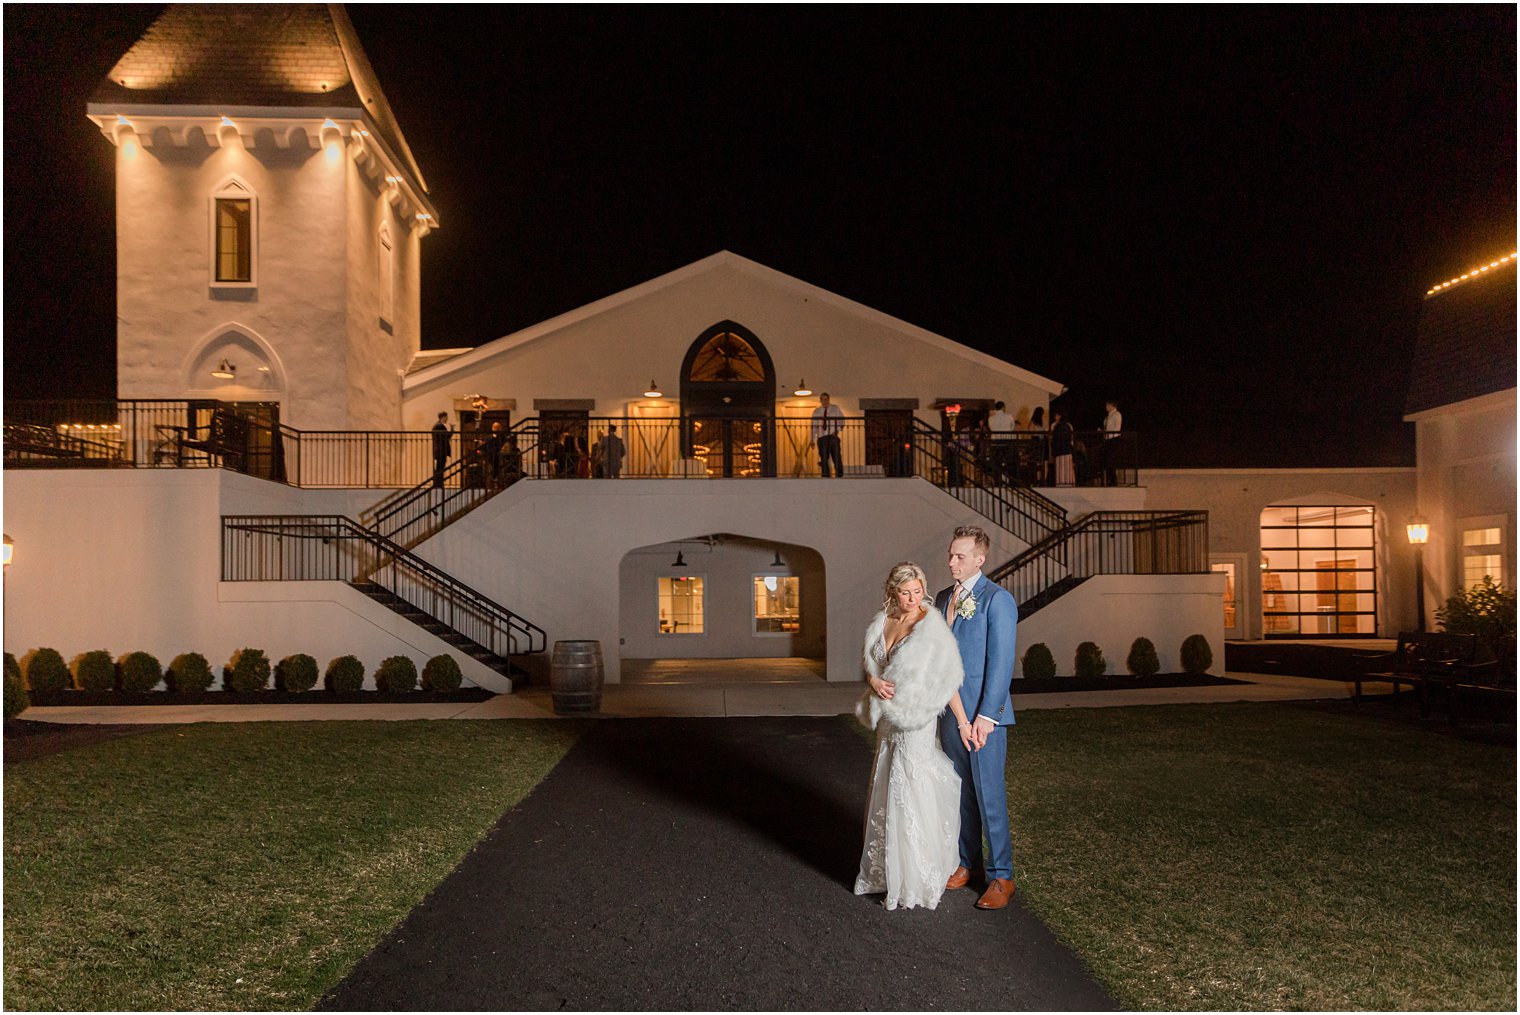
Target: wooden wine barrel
575, 677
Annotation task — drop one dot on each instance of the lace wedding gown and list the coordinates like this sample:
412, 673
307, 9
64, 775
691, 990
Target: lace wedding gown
912, 817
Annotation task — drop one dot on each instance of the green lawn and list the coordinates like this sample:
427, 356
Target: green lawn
242, 865
1269, 857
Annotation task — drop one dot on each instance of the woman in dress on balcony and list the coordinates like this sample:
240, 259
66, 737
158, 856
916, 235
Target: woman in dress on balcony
913, 666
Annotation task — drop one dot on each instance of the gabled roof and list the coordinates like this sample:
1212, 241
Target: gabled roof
292, 56
722, 259
1465, 346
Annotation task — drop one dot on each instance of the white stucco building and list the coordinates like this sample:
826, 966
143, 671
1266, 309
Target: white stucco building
270, 219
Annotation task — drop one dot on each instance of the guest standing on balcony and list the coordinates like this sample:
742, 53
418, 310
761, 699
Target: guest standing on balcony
582, 458
441, 442
564, 455
613, 451
1038, 457
1060, 448
1001, 425
828, 422
490, 452
1113, 423
511, 461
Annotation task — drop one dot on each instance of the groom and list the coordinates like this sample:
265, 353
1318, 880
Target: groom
984, 619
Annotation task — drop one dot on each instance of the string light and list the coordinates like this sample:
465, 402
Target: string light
1474, 273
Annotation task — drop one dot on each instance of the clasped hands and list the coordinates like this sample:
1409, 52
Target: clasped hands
973, 734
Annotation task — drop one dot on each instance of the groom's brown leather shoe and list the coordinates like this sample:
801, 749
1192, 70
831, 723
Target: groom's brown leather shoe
960, 878
999, 891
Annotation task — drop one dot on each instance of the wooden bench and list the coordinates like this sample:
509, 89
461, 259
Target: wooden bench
1429, 660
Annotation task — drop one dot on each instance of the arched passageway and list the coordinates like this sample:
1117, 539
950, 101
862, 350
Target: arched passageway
723, 608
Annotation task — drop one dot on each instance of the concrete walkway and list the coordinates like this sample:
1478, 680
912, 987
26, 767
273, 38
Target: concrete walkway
689, 700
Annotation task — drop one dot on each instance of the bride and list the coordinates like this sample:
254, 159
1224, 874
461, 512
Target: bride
913, 816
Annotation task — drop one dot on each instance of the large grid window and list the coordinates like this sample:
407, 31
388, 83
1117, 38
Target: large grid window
681, 605
1318, 571
778, 604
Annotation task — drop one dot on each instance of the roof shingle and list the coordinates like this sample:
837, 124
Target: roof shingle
1466, 342
273, 55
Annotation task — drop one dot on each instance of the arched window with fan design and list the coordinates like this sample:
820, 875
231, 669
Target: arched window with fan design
728, 401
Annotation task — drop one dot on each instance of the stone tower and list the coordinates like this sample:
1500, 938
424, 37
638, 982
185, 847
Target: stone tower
269, 216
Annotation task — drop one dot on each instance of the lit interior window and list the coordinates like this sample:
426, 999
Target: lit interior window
681, 606
234, 239
1228, 570
778, 604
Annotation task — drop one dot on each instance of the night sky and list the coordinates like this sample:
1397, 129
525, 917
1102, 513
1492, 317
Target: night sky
1224, 218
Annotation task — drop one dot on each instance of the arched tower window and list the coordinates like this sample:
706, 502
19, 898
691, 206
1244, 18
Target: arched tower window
234, 235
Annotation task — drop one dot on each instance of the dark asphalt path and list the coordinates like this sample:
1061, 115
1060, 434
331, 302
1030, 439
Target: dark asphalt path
702, 864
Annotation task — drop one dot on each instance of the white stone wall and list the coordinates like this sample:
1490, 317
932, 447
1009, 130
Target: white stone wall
1466, 469
1236, 498
311, 318
130, 560
1113, 610
612, 356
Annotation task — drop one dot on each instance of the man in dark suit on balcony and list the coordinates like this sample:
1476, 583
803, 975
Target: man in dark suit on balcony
442, 439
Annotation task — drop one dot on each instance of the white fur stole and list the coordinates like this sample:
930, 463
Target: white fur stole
925, 668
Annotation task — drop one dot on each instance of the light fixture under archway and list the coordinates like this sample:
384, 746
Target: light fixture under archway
778, 561
802, 389
225, 371
680, 559
654, 391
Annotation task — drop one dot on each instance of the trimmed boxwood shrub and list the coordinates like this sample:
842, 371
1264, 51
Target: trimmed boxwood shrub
46, 671
138, 671
296, 673
1039, 663
249, 672
1143, 661
441, 674
396, 673
189, 674
16, 698
95, 671
345, 673
1197, 657
1090, 661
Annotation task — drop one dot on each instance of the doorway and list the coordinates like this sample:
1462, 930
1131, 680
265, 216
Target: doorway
728, 402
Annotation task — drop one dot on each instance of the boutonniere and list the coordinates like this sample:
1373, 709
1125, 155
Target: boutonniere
966, 609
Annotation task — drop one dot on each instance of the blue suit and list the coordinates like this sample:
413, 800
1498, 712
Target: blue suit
986, 641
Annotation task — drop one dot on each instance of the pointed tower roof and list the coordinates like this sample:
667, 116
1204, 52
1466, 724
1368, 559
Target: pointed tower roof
289, 57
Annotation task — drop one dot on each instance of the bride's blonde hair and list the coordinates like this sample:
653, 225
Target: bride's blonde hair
900, 575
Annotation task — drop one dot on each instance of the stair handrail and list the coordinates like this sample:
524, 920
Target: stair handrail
382, 516
1021, 510
312, 527
1049, 560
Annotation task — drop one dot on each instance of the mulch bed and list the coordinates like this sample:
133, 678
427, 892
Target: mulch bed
25, 739
270, 697
1123, 682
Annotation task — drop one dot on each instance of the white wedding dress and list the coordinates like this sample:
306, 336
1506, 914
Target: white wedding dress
913, 816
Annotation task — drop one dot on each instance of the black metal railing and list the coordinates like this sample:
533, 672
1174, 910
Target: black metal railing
337, 548
975, 482
1106, 542
196, 433
490, 465
156, 433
